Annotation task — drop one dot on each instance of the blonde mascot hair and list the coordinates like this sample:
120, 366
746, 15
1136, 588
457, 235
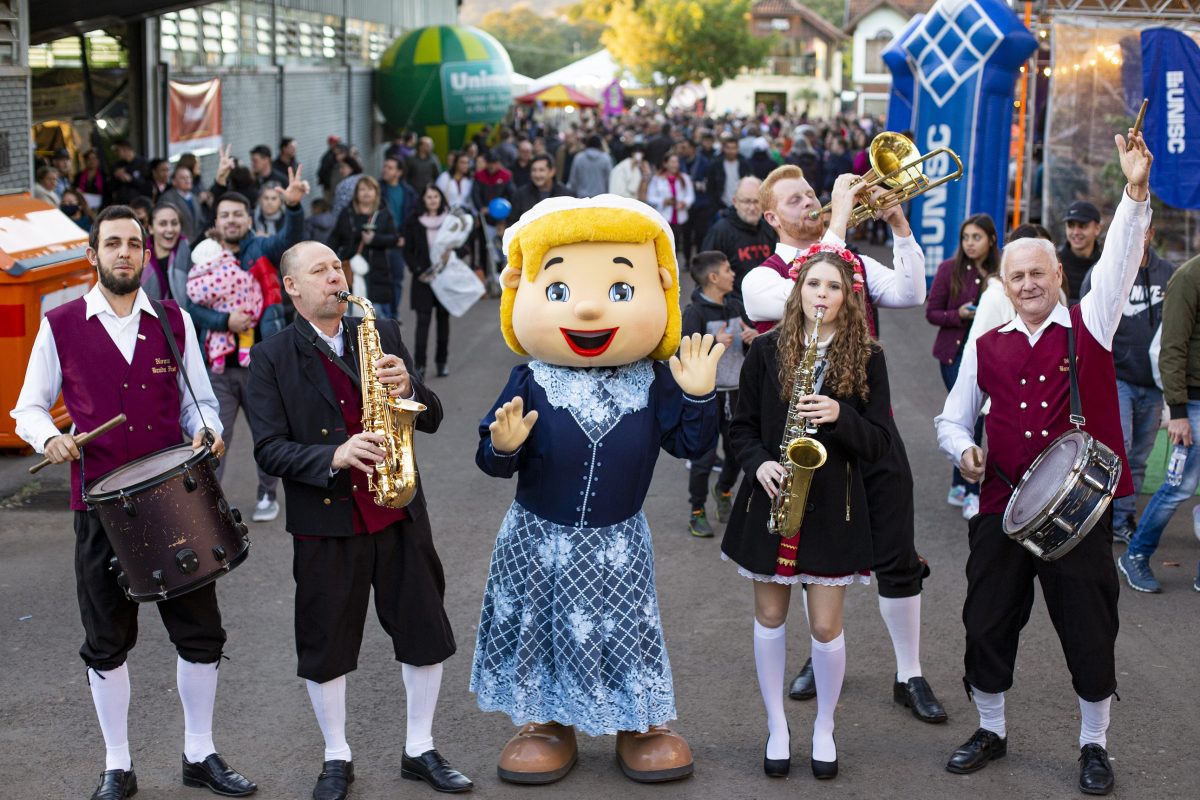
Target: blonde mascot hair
605, 218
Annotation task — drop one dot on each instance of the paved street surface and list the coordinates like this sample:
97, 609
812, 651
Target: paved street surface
50, 744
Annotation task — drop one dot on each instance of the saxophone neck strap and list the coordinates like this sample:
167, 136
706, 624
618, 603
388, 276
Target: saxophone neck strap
310, 334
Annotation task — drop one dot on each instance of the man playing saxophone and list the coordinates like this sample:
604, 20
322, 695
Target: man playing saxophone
306, 393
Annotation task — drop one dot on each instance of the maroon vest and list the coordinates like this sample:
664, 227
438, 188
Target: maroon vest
782, 267
1030, 388
368, 517
97, 385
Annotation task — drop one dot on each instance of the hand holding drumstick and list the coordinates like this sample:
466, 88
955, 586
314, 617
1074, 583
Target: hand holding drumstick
62, 449
971, 464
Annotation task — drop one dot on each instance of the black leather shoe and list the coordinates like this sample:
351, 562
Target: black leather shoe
443, 371
213, 773
433, 769
976, 752
334, 781
824, 770
804, 687
777, 767
116, 784
1095, 770
917, 695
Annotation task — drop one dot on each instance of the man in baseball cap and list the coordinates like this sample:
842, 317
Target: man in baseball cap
1082, 248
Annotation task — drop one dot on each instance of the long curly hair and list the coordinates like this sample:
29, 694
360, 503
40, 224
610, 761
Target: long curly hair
846, 371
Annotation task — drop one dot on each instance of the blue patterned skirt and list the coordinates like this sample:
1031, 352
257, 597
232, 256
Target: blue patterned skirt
570, 630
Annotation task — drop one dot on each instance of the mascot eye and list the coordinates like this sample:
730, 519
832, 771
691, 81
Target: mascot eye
620, 292
558, 292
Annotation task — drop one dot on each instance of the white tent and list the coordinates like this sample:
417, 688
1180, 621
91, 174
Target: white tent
521, 84
590, 74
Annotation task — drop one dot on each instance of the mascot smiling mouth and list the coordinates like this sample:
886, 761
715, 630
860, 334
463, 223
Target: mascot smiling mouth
589, 344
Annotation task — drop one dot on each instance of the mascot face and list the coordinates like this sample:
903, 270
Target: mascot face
593, 304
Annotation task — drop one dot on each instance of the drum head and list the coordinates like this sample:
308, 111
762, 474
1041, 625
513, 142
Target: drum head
1045, 479
144, 469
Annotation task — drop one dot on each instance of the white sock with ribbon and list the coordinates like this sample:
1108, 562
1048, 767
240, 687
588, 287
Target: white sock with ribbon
829, 670
197, 685
1093, 726
991, 712
110, 695
421, 688
902, 616
329, 704
770, 660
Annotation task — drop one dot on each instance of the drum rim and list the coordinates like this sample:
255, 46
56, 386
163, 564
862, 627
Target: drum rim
179, 591
197, 457
1041, 516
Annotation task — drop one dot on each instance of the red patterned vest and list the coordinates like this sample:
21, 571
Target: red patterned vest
1030, 388
776, 263
97, 385
368, 517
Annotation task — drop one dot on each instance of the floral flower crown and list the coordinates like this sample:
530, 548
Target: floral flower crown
821, 247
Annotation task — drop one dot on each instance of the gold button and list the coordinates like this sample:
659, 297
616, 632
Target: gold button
1028, 435
1023, 405
354, 487
328, 501
324, 432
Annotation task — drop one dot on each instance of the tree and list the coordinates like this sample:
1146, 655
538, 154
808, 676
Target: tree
538, 45
684, 40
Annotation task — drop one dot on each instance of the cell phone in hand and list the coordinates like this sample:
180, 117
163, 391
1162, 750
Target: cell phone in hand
972, 307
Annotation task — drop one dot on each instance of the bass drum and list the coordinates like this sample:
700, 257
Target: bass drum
1063, 495
168, 523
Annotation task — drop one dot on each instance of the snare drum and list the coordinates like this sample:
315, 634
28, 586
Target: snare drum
1062, 495
168, 523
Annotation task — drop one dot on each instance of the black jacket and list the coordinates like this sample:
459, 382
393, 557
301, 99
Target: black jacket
715, 179
836, 536
529, 196
297, 425
746, 246
347, 233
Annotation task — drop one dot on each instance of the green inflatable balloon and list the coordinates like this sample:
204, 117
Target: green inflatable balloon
445, 82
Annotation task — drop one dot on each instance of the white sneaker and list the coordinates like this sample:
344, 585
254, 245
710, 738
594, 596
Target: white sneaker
957, 496
266, 510
1196, 523
970, 506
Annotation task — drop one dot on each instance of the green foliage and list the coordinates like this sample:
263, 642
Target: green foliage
831, 11
685, 40
538, 45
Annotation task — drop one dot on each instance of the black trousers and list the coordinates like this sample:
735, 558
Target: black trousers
899, 571
426, 304
110, 620
334, 577
1080, 590
702, 467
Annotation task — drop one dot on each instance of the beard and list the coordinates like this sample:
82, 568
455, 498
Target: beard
120, 286
805, 230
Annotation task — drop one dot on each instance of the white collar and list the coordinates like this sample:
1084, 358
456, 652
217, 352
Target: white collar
97, 303
1060, 314
334, 341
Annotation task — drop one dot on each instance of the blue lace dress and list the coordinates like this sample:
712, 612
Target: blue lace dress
570, 629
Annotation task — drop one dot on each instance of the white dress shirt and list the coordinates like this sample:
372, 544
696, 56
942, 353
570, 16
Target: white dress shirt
1112, 277
336, 343
43, 376
765, 291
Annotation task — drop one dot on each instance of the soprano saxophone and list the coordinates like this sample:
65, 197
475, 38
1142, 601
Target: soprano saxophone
799, 453
394, 479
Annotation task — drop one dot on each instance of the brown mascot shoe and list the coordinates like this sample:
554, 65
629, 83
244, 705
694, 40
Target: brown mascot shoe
539, 753
655, 756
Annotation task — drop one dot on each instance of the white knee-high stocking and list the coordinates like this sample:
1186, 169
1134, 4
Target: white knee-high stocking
991, 712
421, 688
1093, 727
110, 695
770, 660
829, 669
197, 685
329, 704
902, 616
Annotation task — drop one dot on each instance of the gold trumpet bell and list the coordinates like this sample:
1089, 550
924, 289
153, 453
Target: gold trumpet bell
889, 152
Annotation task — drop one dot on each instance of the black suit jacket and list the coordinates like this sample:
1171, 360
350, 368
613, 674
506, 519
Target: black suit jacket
297, 424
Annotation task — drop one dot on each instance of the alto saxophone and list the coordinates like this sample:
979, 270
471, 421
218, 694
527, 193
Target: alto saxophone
799, 453
394, 479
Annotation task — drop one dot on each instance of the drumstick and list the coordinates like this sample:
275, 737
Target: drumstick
83, 438
1137, 123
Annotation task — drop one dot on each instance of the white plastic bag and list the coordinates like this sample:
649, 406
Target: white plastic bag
456, 286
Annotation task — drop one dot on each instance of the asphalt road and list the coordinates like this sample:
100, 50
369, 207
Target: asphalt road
50, 744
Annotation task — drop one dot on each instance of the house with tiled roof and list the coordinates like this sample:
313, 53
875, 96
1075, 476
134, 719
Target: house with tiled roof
803, 70
871, 26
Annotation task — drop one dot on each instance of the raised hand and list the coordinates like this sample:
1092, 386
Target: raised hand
296, 188
842, 199
695, 368
511, 427
1135, 163
225, 165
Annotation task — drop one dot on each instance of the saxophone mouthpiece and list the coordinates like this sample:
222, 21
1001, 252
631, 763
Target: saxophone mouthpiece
343, 296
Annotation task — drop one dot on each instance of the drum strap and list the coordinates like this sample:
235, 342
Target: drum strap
1077, 418
166, 326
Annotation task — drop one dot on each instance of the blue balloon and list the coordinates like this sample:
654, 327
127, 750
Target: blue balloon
499, 209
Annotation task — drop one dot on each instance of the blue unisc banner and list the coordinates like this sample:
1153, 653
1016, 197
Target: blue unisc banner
962, 61
1171, 81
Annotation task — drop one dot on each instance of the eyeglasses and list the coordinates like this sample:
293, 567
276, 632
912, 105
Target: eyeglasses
746, 201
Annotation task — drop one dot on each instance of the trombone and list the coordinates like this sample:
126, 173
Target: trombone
896, 165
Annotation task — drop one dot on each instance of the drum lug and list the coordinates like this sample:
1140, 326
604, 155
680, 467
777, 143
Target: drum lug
187, 561
1060, 522
157, 577
128, 505
189, 480
1093, 483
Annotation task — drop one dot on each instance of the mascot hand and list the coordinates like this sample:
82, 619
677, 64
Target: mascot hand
695, 368
511, 427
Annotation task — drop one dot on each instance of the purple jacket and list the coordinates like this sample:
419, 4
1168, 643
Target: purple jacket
942, 310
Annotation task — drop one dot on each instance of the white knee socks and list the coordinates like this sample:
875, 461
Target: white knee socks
1093, 728
329, 704
829, 668
902, 616
991, 712
421, 687
770, 659
110, 695
198, 692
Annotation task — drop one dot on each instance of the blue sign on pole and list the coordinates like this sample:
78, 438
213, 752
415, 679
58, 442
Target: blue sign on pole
960, 63
1171, 80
